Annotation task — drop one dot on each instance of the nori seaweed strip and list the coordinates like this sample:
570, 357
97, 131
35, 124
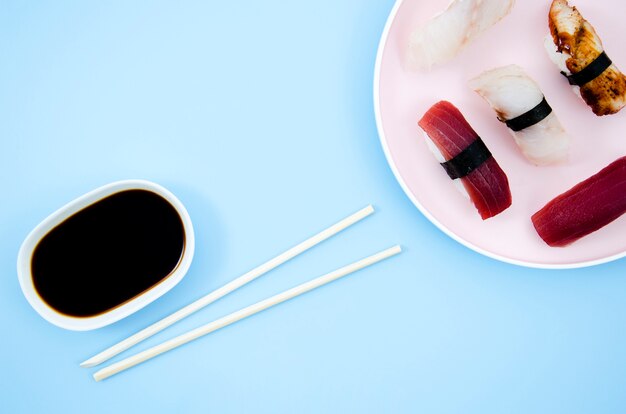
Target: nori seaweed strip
530, 118
467, 160
592, 71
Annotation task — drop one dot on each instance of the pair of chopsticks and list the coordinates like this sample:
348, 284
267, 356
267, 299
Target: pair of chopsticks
240, 314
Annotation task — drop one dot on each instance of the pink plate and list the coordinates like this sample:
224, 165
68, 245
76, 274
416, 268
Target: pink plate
401, 97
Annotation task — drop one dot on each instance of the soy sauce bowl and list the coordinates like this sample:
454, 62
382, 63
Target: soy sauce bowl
97, 259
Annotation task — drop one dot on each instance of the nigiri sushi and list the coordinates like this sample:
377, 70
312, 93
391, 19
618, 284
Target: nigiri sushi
446, 34
576, 49
587, 207
520, 104
467, 158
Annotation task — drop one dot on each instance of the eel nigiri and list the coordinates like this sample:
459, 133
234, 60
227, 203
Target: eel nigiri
467, 158
521, 105
576, 49
446, 34
587, 207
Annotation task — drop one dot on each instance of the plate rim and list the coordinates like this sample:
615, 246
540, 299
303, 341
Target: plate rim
443, 228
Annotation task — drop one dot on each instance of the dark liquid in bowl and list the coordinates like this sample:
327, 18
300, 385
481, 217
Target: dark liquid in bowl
108, 253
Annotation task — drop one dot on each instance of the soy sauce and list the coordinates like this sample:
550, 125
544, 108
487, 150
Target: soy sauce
108, 253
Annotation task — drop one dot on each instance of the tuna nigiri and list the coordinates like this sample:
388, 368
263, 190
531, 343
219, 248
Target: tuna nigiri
577, 50
520, 104
467, 158
446, 34
587, 207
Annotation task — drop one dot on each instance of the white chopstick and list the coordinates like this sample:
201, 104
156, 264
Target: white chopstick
227, 288
241, 314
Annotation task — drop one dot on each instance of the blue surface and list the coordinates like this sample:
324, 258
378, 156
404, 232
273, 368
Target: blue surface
259, 116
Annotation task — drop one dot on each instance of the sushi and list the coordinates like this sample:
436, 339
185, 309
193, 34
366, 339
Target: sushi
466, 158
589, 206
576, 49
521, 105
446, 34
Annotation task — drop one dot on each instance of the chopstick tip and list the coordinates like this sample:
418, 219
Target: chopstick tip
397, 249
91, 362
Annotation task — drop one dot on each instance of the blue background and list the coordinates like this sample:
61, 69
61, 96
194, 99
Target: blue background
259, 116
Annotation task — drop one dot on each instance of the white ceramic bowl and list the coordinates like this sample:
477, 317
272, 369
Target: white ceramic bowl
133, 305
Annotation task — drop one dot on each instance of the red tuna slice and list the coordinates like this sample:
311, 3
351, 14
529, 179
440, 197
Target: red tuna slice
487, 185
587, 207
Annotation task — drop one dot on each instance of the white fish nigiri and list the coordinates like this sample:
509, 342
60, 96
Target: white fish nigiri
519, 103
446, 34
